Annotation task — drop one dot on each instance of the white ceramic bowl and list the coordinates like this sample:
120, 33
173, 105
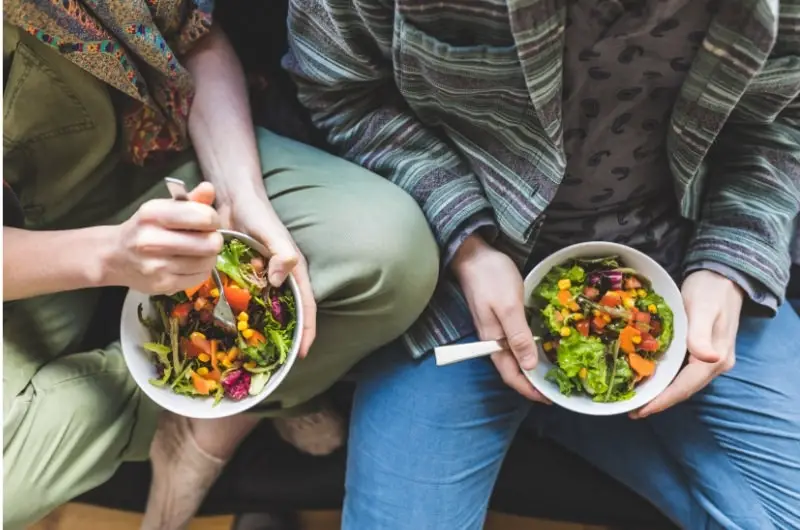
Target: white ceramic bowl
670, 362
133, 335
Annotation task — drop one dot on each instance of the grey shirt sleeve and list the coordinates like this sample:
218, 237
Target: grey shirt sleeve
757, 293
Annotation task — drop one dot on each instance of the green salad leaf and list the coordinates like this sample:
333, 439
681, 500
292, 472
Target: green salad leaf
576, 352
230, 259
548, 289
664, 314
550, 319
566, 385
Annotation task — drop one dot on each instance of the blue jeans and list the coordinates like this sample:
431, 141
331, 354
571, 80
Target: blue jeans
427, 442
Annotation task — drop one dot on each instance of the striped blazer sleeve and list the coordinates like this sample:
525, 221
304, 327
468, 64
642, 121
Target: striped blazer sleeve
340, 58
753, 199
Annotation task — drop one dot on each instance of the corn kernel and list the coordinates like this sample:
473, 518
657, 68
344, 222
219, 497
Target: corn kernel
197, 336
632, 293
226, 363
203, 358
243, 316
652, 308
250, 364
583, 373
241, 325
564, 284
606, 317
202, 371
636, 339
565, 312
577, 317
212, 385
214, 292
596, 312
565, 331
221, 356
642, 293
247, 333
547, 346
629, 303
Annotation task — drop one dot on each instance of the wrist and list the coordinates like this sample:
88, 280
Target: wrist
472, 246
106, 269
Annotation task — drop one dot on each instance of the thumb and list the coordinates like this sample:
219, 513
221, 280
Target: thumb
701, 327
283, 260
519, 337
203, 193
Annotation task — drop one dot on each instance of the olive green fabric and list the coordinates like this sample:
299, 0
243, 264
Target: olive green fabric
71, 417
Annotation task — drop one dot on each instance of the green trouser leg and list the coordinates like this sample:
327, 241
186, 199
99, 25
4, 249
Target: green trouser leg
373, 266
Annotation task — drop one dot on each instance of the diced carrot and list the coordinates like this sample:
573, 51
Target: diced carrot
181, 312
564, 297
201, 289
598, 323
190, 351
611, 299
203, 386
640, 365
238, 298
200, 343
256, 338
583, 327
626, 339
214, 374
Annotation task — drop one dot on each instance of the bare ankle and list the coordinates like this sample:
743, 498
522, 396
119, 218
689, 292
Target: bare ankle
221, 436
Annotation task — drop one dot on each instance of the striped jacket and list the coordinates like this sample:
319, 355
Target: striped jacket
459, 103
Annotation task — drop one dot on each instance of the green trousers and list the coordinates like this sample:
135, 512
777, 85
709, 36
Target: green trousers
70, 416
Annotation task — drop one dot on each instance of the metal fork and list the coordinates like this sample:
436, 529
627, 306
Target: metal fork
223, 314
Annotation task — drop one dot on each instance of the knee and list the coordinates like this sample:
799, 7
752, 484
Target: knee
394, 251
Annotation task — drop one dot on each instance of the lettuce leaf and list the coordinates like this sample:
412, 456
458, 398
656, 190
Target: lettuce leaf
548, 289
230, 259
664, 314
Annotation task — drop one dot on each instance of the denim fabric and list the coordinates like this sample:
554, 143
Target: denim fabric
426, 443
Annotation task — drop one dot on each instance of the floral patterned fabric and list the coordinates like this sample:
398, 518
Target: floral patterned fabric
133, 46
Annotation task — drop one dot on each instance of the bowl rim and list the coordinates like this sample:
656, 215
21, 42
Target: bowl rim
203, 408
680, 323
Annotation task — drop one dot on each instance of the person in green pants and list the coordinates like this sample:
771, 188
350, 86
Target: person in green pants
96, 112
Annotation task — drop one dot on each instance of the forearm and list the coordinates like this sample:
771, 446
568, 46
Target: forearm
751, 204
220, 122
37, 263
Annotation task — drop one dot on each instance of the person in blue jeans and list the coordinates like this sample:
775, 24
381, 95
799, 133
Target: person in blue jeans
521, 126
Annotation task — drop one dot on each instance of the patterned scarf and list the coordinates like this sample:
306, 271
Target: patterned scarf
131, 45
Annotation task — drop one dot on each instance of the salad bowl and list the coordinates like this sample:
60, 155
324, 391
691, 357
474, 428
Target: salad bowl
670, 360
134, 335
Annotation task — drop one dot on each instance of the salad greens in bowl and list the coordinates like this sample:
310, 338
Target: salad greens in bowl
188, 363
612, 327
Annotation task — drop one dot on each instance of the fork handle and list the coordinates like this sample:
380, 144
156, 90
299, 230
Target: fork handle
461, 352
